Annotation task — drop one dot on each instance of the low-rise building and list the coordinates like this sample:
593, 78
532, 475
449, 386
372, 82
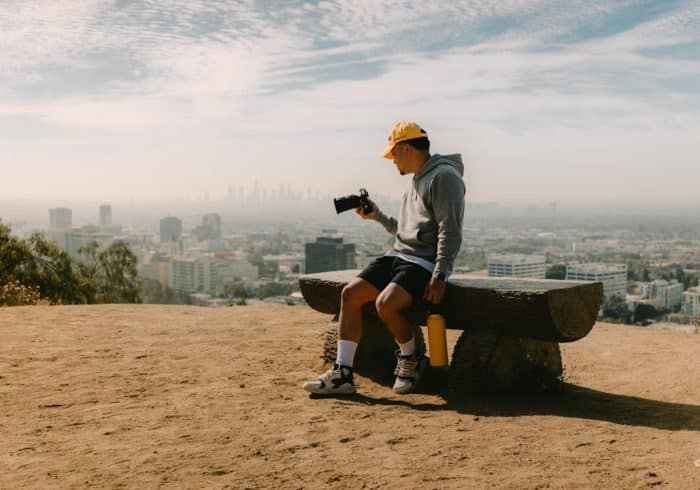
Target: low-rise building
209, 274
691, 302
662, 294
517, 265
613, 276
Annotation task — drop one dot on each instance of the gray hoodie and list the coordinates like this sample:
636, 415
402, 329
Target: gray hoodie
430, 224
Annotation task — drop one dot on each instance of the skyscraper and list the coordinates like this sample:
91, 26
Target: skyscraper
105, 215
213, 221
170, 229
60, 219
329, 254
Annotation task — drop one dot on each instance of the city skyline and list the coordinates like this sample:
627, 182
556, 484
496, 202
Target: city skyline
546, 100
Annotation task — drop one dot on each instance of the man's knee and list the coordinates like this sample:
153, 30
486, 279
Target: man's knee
392, 301
356, 294
386, 307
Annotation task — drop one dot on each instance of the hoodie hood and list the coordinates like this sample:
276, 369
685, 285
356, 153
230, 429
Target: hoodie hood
454, 161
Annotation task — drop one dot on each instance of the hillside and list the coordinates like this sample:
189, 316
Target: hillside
143, 396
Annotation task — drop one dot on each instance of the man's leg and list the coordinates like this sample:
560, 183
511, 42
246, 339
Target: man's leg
338, 379
390, 305
354, 295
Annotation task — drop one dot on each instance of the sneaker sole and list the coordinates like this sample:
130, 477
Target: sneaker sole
345, 389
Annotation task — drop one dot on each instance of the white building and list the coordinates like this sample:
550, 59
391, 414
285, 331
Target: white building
79, 239
517, 265
286, 263
208, 274
613, 276
662, 294
193, 275
691, 302
234, 269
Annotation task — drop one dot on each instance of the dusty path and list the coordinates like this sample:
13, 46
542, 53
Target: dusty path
186, 397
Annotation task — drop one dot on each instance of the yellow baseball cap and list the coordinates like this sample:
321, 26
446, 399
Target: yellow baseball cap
402, 131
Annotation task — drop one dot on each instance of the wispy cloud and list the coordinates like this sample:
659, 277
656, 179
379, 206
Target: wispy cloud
223, 78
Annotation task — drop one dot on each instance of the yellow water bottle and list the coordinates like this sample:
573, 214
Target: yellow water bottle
437, 340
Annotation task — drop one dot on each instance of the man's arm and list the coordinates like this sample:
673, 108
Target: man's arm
447, 198
388, 222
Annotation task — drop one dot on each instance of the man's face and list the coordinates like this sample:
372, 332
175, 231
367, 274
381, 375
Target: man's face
400, 156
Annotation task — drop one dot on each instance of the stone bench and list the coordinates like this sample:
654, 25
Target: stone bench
511, 327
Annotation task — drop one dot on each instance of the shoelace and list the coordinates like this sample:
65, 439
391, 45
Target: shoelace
334, 373
406, 367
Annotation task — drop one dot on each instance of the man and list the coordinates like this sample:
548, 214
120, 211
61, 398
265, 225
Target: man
428, 236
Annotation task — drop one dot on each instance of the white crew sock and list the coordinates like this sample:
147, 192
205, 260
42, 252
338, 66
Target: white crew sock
346, 352
407, 348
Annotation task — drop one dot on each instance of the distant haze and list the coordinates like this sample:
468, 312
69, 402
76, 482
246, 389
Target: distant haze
547, 100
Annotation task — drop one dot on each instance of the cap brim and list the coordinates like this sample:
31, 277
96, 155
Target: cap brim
387, 151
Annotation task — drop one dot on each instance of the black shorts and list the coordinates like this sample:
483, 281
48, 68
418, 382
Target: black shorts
412, 277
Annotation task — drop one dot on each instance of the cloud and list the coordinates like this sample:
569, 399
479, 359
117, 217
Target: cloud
501, 79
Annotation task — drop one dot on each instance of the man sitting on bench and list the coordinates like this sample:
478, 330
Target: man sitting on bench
428, 236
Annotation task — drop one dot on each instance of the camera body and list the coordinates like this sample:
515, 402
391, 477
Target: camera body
353, 201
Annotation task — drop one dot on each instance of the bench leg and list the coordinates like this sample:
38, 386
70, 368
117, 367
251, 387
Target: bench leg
375, 358
485, 361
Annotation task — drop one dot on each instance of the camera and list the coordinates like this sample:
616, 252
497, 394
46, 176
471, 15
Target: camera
353, 201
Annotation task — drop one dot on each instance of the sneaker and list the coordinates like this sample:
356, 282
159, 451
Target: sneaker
408, 371
336, 381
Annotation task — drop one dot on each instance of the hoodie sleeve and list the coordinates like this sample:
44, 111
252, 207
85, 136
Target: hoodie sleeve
388, 222
447, 198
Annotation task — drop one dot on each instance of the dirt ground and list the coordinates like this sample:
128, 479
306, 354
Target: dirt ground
185, 397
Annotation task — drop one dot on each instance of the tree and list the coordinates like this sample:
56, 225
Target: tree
615, 308
154, 292
645, 311
113, 269
42, 267
58, 276
557, 271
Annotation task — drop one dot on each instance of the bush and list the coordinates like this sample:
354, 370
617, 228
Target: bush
17, 294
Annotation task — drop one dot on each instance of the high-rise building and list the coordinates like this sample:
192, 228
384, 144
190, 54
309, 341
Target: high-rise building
329, 254
60, 219
105, 215
170, 229
213, 221
517, 265
613, 276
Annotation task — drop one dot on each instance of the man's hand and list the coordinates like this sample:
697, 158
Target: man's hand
435, 290
372, 214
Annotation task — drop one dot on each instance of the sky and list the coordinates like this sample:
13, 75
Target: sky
546, 100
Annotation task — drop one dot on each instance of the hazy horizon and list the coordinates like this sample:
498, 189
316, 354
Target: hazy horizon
547, 100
